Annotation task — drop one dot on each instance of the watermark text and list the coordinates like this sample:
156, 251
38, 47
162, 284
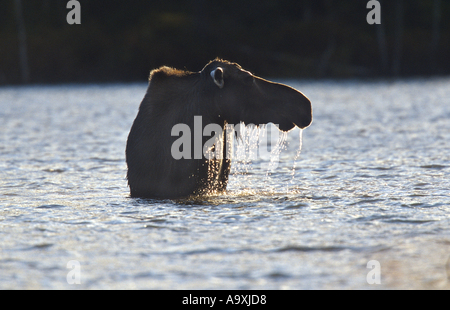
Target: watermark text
253, 141
374, 16
74, 16
74, 275
374, 275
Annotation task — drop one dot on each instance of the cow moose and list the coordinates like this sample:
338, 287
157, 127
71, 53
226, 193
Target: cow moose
221, 93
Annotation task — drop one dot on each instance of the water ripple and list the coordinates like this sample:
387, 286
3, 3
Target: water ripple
369, 184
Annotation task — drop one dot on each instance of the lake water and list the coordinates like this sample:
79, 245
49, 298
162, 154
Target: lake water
371, 184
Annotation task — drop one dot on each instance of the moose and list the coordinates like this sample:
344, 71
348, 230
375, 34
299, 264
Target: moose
221, 93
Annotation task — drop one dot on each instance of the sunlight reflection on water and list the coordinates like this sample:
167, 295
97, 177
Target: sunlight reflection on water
371, 183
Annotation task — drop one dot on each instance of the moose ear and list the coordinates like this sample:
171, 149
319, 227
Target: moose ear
217, 75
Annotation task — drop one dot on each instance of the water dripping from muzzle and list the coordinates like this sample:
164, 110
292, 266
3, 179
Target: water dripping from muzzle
297, 156
257, 166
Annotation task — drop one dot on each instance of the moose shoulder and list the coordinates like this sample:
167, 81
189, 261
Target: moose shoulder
222, 93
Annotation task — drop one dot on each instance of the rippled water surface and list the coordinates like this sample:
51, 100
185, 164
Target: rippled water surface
372, 182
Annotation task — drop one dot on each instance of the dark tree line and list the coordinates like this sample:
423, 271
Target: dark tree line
124, 40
